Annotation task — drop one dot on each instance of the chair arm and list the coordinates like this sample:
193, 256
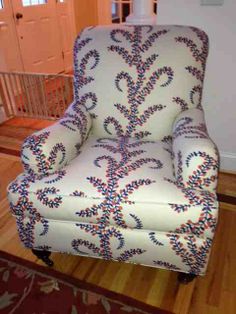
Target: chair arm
196, 160
50, 149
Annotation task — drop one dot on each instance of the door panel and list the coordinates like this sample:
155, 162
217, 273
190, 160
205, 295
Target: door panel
39, 39
65, 16
9, 50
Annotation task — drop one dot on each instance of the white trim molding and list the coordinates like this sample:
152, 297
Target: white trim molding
142, 13
227, 161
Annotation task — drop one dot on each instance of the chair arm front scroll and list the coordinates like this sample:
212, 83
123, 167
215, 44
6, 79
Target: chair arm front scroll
50, 149
196, 158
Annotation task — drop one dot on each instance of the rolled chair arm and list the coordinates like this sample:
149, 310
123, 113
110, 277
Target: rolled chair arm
196, 159
50, 149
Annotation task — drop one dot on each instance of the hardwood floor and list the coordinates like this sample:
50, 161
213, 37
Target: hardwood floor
14, 131
215, 293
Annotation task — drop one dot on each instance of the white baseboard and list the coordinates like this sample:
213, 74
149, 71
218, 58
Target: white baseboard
227, 162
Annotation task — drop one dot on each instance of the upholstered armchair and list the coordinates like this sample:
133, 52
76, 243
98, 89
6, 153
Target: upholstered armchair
129, 173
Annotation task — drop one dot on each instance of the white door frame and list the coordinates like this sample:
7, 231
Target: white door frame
104, 12
105, 9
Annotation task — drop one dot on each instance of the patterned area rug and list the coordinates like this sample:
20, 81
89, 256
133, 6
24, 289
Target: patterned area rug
27, 288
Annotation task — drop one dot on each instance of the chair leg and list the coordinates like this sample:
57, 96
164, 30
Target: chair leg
185, 278
44, 256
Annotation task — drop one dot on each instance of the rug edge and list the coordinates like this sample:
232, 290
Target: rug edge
85, 285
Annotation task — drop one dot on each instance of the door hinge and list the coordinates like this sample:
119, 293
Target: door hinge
63, 55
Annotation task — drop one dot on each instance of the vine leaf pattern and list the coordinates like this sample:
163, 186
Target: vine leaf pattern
166, 265
88, 100
200, 56
153, 238
137, 90
191, 254
75, 120
124, 153
205, 199
205, 175
198, 186
26, 231
123, 161
34, 144
184, 128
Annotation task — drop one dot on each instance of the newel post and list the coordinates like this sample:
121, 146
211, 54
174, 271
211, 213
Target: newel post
142, 13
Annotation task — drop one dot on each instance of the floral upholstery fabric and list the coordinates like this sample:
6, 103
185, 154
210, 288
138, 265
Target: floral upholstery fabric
196, 156
73, 194
183, 252
63, 141
129, 173
153, 73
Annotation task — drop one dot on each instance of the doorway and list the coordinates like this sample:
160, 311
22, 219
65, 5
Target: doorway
44, 34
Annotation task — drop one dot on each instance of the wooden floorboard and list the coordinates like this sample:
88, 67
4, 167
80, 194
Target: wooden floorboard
214, 293
15, 130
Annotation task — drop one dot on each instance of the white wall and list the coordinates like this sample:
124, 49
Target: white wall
219, 98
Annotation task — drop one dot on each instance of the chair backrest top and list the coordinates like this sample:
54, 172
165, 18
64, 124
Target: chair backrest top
135, 80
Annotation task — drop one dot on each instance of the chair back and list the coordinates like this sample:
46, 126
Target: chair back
135, 80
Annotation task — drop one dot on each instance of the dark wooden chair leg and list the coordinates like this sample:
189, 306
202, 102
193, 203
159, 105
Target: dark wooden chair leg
44, 256
185, 278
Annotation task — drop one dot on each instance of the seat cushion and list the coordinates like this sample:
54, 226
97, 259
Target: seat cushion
122, 182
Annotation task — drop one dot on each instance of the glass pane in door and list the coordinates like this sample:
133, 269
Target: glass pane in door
26, 3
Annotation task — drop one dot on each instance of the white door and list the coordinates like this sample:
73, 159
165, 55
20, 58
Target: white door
38, 35
10, 59
66, 23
